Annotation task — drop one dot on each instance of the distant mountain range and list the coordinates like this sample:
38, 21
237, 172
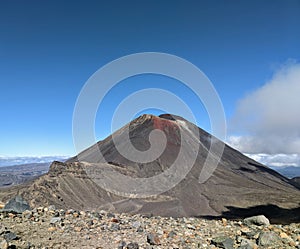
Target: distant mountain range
288, 171
18, 160
17, 170
17, 174
239, 185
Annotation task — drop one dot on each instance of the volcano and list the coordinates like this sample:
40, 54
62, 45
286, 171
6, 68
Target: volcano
238, 186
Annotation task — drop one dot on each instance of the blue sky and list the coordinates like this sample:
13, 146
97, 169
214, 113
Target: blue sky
48, 50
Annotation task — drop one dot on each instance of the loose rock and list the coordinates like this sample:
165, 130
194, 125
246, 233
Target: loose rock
17, 205
55, 228
132, 246
223, 242
153, 239
9, 236
259, 220
3, 244
267, 239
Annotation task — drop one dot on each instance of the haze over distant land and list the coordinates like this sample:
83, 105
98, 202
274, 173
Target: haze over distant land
10, 161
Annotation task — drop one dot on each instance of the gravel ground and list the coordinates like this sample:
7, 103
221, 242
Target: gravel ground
51, 228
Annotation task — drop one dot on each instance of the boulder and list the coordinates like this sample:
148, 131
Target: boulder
223, 242
268, 239
259, 220
16, 205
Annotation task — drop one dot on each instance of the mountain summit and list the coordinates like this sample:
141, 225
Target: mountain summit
239, 186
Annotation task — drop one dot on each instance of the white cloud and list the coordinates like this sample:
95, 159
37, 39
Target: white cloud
277, 160
269, 117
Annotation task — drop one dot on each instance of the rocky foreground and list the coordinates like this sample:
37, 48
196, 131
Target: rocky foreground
48, 227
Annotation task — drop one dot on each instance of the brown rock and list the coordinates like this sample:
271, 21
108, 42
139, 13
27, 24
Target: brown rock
224, 221
115, 220
11, 215
284, 235
3, 244
77, 229
52, 229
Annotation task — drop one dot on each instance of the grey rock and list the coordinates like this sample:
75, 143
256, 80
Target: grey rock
90, 223
247, 244
96, 215
51, 208
111, 215
16, 205
122, 245
114, 227
147, 215
223, 242
133, 245
27, 214
172, 234
189, 226
153, 239
55, 220
268, 239
56, 214
62, 212
251, 234
259, 220
70, 211
136, 224
9, 236
245, 247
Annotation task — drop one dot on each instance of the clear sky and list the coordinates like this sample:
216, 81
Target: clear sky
48, 50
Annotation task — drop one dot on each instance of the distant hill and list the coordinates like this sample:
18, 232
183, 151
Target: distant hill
20, 169
17, 174
288, 171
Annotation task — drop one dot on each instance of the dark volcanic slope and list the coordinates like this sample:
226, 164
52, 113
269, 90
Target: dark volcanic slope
237, 184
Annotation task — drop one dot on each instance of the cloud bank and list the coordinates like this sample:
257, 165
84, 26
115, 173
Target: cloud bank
277, 160
9, 161
269, 119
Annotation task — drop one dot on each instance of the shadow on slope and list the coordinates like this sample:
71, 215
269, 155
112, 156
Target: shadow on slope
275, 214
